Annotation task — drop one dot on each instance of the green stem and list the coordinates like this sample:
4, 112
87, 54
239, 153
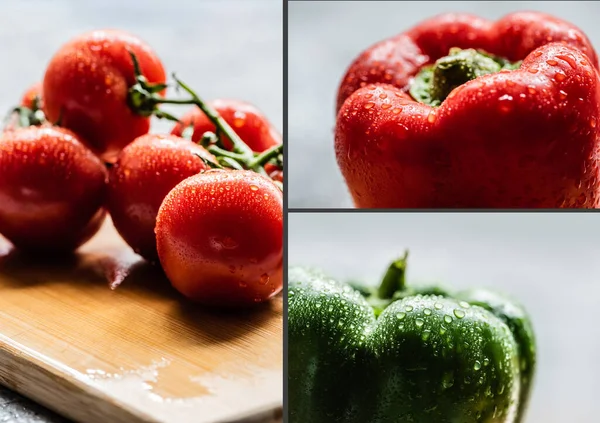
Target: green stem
239, 146
144, 99
394, 278
266, 155
434, 83
218, 151
24, 117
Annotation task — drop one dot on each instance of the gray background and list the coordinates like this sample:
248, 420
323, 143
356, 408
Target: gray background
549, 262
324, 38
222, 48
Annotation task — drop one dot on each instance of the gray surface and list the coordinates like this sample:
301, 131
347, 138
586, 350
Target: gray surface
16, 409
549, 262
324, 38
227, 48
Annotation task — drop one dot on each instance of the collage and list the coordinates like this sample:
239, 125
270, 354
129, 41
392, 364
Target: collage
168, 256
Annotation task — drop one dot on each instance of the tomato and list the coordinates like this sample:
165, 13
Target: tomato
245, 119
86, 88
52, 189
219, 236
29, 97
274, 172
145, 172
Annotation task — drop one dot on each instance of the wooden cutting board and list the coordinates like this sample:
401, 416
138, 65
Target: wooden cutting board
138, 353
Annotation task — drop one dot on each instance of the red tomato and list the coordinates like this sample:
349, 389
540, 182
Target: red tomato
145, 172
274, 172
52, 189
245, 119
33, 92
86, 88
219, 237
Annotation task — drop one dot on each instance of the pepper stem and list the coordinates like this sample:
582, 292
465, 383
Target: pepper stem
434, 83
394, 278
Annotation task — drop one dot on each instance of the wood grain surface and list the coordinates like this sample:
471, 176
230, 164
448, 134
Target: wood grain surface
137, 353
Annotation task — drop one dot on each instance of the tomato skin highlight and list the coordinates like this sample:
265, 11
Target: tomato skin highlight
245, 119
52, 190
86, 88
219, 237
145, 172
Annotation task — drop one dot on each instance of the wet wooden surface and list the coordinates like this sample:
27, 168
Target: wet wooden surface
138, 353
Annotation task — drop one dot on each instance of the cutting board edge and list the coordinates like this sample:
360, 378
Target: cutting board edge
27, 372
271, 413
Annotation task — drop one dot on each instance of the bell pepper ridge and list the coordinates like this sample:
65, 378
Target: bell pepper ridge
433, 355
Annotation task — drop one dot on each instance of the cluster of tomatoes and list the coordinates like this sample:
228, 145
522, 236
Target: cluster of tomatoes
204, 201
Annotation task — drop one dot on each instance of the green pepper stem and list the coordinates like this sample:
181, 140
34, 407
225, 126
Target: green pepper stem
434, 83
394, 278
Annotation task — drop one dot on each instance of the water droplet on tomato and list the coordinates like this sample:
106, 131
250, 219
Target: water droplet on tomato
264, 279
552, 62
532, 70
431, 117
531, 89
386, 106
239, 119
383, 96
562, 95
229, 243
560, 76
253, 187
569, 60
369, 105
504, 105
593, 122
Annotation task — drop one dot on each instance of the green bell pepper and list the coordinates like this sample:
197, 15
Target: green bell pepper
399, 354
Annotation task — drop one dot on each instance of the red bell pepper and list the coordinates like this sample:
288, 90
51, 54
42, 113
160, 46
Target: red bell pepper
445, 115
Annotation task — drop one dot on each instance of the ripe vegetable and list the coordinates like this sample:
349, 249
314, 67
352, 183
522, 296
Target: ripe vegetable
32, 98
219, 237
86, 88
246, 120
52, 189
481, 129
145, 172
